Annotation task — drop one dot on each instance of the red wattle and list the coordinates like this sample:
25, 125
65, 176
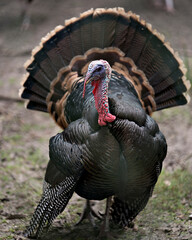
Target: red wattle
103, 119
95, 85
101, 104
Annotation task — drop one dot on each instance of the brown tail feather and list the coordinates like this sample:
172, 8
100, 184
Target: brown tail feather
36, 106
34, 86
28, 94
130, 45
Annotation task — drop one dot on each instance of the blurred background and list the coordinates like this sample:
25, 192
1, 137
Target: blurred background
24, 134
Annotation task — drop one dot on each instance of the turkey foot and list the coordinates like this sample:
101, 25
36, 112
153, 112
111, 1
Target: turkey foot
89, 213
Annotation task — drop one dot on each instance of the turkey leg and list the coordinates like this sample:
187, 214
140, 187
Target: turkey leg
104, 231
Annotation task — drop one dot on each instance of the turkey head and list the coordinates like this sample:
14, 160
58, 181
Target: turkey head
99, 74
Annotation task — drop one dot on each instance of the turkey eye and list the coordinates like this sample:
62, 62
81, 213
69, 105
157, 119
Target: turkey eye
98, 69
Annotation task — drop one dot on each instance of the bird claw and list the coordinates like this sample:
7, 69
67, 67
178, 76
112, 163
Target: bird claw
89, 213
101, 214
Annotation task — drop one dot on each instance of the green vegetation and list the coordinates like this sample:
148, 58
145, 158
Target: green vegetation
12, 81
171, 199
188, 64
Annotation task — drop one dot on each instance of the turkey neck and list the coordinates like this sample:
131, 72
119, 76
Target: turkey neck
100, 93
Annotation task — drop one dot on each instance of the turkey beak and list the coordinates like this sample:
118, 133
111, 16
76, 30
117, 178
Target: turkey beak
88, 78
86, 81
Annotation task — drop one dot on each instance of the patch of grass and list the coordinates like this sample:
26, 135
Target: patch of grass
4, 221
7, 237
5, 178
16, 157
11, 230
27, 127
13, 138
168, 210
188, 64
173, 191
12, 80
36, 157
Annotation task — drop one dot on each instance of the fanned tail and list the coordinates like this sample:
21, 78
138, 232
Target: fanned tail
128, 43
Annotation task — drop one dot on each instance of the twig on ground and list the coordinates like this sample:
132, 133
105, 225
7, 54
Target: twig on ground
10, 99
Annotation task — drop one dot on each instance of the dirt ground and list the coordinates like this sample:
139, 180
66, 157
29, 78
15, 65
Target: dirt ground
24, 135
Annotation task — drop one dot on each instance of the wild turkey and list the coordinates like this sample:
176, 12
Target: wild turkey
110, 146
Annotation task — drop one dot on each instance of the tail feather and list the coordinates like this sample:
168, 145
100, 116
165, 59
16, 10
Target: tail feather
174, 77
102, 28
86, 29
45, 64
176, 101
109, 33
160, 67
151, 48
98, 29
170, 92
121, 28
36, 87
53, 51
28, 94
133, 38
36, 72
138, 43
155, 71
37, 106
65, 46
75, 37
